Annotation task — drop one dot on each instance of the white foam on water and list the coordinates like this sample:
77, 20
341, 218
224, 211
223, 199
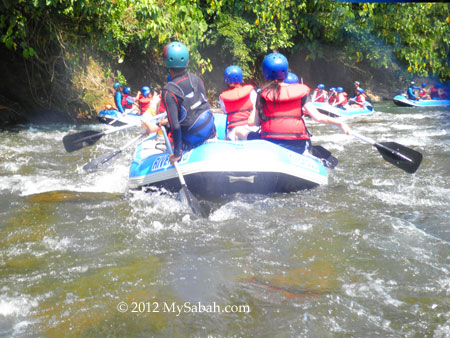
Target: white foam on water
16, 306
57, 244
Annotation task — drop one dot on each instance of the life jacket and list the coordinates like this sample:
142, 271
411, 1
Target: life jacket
361, 100
319, 95
238, 105
144, 103
127, 101
434, 92
195, 117
344, 96
332, 99
281, 117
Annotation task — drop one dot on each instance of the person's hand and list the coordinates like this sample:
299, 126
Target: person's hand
173, 158
345, 128
163, 122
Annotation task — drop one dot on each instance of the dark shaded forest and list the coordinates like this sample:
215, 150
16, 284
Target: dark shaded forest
59, 59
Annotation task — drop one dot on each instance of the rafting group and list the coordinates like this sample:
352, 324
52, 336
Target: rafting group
260, 145
435, 95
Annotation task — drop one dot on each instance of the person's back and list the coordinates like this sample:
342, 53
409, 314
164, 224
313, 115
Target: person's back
238, 101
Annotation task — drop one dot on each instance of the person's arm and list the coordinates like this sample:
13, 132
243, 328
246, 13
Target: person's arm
322, 118
170, 101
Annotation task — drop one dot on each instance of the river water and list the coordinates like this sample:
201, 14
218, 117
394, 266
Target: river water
368, 255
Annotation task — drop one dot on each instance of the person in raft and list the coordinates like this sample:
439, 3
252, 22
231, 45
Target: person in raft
341, 99
359, 101
320, 94
291, 78
238, 101
128, 101
411, 91
144, 100
423, 92
118, 96
280, 108
332, 95
184, 98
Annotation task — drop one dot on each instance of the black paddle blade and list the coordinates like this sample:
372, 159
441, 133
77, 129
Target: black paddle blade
187, 198
402, 157
80, 140
324, 156
102, 162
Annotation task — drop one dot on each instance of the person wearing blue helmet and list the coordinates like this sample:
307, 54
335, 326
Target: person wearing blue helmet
128, 101
280, 108
319, 94
184, 98
359, 101
118, 96
238, 102
144, 99
341, 99
423, 92
291, 78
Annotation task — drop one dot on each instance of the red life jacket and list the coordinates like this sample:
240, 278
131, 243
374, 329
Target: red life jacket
144, 103
125, 103
332, 99
345, 101
283, 120
319, 96
238, 105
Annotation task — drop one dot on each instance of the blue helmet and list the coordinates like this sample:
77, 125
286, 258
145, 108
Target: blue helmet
232, 74
424, 84
117, 85
145, 91
321, 86
361, 90
175, 55
340, 89
275, 66
291, 78
127, 90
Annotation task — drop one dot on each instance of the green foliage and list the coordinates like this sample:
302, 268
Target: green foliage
412, 36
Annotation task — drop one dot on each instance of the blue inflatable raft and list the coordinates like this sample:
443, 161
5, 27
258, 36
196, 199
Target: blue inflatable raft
115, 118
403, 101
332, 111
219, 168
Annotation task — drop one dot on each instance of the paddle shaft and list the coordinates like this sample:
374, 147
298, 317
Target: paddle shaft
175, 164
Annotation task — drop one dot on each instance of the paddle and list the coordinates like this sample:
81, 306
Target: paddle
186, 197
402, 157
77, 141
324, 156
105, 160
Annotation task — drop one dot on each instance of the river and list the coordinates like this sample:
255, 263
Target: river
368, 255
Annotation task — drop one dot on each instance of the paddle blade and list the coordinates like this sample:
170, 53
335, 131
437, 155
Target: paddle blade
188, 199
102, 162
324, 156
402, 157
73, 142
